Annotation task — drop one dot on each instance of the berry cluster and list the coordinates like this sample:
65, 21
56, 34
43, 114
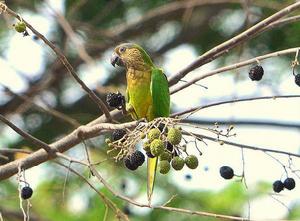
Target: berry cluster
115, 100
163, 142
288, 183
134, 160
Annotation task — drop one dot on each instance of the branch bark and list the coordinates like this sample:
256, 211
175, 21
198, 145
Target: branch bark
231, 43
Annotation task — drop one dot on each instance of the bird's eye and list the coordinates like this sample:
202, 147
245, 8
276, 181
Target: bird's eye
122, 49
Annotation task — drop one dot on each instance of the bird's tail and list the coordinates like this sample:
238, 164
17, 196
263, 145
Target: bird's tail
151, 171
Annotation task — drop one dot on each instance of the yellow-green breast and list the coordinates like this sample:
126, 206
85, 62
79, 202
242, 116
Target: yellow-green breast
138, 89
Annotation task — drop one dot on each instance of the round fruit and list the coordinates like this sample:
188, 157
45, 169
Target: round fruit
149, 154
137, 158
26, 192
153, 134
256, 73
129, 164
177, 163
118, 134
157, 147
289, 183
226, 172
169, 147
164, 167
115, 100
146, 146
107, 140
165, 156
297, 79
191, 161
278, 186
174, 136
20, 27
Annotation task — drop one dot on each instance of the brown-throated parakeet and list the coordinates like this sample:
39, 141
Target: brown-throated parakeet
147, 91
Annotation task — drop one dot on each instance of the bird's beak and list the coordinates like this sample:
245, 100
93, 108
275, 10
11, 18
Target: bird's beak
116, 60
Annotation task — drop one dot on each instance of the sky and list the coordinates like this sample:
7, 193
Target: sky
258, 165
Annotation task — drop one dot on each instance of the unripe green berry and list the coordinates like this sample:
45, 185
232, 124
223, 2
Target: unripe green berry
174, 136
146, 146
164, 167
20, 27
107, 140
191, 161
177, 163
165, 156
157, 147
143, 136
153, 134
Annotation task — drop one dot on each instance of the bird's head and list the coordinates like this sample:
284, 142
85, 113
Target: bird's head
130, 55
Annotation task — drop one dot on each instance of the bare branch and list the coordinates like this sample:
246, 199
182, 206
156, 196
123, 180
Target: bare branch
64, 60
84, 132
195, 109
231, 43
234, 66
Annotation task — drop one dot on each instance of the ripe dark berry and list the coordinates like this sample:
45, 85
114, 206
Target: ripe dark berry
26, 192
297, 79
116, 100
289, 183
169, 147
226, 172
188, 176
278, 186
162, 127
137, 157
118, 134
256, 73
149, 154
126, 210
129, 165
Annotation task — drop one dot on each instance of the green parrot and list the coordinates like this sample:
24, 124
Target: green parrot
147, 92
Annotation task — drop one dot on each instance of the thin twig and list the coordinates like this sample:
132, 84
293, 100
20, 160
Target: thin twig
195, 109
233, 66
64, 60
233, 42
105, 199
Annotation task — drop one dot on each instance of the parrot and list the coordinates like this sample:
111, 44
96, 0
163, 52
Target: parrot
147, 92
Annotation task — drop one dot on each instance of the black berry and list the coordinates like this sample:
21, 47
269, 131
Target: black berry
169, 147
126, 210
162, 127
188, 176
118, 134
297, 79
256, 73
278, 186
289, 183
129, 165
150, 155
137, 157
26, 192
116, 100
226, 172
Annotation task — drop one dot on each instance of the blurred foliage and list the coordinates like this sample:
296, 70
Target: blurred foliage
94, 20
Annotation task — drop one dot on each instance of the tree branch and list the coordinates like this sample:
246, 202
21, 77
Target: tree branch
195, 109
233, 66
63, 59
90, 130
231, 43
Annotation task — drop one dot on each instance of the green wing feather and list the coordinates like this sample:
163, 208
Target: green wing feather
161, 108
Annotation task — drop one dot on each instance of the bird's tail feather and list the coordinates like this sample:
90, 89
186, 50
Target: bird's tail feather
151, 171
